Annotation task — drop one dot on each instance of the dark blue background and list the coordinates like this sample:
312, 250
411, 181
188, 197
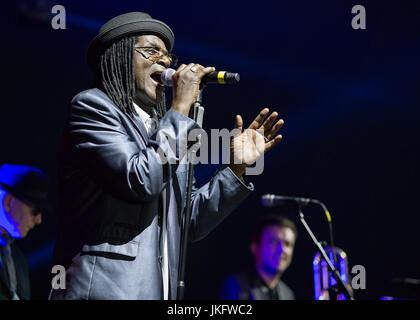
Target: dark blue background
350, 100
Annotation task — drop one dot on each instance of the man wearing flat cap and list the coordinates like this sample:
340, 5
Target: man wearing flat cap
23, 196
121, 205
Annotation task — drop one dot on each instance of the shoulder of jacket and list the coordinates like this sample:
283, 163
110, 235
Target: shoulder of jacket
94, 100
286, 289
91, 94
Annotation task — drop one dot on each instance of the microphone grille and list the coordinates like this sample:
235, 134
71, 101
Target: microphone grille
166, 77
232, 77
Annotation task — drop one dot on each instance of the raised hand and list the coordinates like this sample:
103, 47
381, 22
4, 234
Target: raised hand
248, 145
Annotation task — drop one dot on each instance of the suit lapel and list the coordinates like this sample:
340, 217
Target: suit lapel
4, 279
139, 126
22, 275
257, 294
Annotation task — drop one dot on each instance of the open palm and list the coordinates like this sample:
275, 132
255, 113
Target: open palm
249, 144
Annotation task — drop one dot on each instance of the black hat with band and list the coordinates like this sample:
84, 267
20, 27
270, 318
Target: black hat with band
27, 184
125, 25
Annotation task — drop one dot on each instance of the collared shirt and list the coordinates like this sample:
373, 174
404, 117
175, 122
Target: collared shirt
262, 291
267, 292
151, 123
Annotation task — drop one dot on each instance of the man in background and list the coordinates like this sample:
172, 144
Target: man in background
272, 246
23, 195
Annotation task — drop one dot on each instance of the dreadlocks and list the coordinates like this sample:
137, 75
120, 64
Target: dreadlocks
116, 76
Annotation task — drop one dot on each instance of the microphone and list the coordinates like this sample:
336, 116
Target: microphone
221, 77
406, 282
272, 200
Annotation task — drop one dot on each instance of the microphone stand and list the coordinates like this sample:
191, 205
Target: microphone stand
335, 272
197, 116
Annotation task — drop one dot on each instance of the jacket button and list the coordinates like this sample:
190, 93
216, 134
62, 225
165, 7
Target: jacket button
160, 259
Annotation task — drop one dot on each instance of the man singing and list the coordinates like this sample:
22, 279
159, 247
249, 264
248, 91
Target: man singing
121, 205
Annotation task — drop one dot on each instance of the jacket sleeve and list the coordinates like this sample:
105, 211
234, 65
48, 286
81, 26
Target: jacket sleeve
102, 147
215, 200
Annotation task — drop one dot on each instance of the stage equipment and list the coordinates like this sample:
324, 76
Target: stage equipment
324, 282
197, 114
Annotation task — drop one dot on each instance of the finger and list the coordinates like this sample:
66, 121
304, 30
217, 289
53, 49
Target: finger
181, 67
259, 119
187, 68
196, 68
201, 71
269, 122
271, 144
237, 130
179, 70
207, 70
238, 122
273, 131
193, 72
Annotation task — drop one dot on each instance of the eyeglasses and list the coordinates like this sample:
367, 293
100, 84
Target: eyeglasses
155, 55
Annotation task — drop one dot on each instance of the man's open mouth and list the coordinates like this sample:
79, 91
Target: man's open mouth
156, 77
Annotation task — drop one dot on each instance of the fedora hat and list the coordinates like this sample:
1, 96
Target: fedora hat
25, 183
125, 25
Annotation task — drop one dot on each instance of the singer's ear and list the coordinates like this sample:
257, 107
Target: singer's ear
7, 199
